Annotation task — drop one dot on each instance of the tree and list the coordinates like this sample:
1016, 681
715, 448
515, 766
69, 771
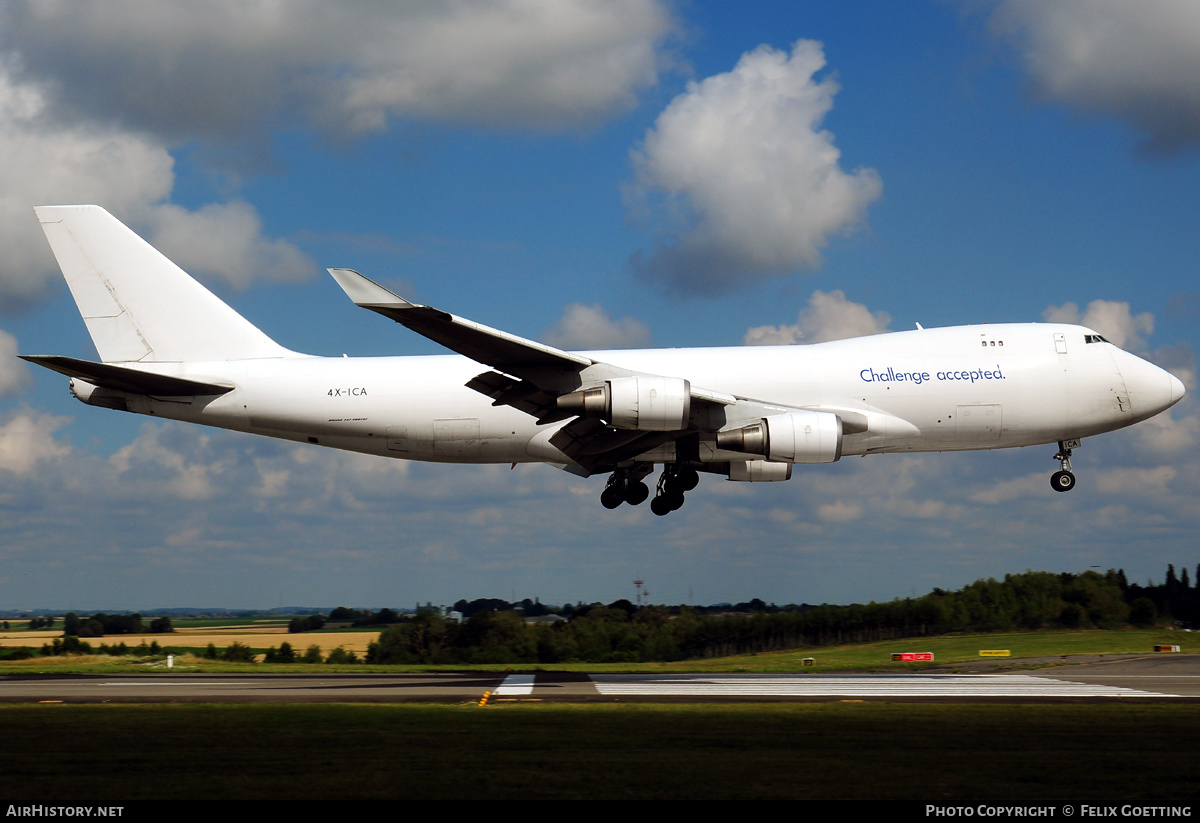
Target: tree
286, 654
238, 653
340, 655
306, 624
1142, 612
1071, 616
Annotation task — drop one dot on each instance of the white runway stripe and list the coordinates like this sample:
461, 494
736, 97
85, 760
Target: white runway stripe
985, 685
515, 684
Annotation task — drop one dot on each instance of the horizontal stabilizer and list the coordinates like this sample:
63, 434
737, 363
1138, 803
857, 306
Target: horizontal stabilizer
120, 378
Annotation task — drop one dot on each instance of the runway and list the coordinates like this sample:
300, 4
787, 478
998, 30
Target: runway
862, 687
1150, 679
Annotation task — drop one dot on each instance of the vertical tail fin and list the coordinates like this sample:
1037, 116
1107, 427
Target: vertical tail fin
140, 307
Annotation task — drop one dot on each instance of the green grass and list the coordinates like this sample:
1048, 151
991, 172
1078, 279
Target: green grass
861, 656
1120, 752
956, 649
934, 753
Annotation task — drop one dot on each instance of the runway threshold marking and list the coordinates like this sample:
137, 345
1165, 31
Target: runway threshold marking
1009, 685
515, 684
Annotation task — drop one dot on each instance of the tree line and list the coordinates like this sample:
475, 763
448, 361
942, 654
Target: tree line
496, 631
622, 632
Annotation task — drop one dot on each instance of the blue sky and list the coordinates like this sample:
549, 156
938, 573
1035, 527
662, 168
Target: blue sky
596, 174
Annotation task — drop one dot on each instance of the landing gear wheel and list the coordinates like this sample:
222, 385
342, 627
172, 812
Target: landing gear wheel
1062, 481
636, 493
687, 478
660, 506
612, 496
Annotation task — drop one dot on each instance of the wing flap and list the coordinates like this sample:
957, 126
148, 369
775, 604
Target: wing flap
523, 395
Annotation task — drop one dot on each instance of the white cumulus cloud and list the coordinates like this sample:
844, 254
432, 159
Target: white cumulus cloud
741, 169
27, 440
226, 68
1164, 435
14, 374
828, 316
224, 240
50, 160
95, 96
839, 511
590, 327
1135, 61
1111, 318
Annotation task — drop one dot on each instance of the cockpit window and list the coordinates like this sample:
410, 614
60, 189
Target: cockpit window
1094, 338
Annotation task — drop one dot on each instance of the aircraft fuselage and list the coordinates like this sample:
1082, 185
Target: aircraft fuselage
949, 389
170, 348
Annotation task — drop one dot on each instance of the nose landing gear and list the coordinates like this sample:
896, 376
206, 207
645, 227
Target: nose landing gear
1063, 480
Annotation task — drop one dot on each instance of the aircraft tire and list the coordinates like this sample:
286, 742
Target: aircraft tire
660, 506
612, 497
1062, 481
688, 478
637, 493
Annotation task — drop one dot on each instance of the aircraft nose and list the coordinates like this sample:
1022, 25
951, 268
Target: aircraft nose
1176, 389
1152, 389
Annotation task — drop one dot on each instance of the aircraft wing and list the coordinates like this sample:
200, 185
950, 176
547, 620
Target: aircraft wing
529, 376
486, 345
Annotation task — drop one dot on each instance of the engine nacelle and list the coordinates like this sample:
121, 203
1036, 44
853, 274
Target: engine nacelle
759, 471
656, 404
796, 437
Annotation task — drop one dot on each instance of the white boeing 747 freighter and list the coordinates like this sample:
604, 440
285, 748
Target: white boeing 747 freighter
170, 348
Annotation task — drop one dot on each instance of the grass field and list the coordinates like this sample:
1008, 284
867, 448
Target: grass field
1110, 753
952, 649
859, 751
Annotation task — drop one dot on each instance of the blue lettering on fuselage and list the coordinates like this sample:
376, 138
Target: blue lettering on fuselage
891, 375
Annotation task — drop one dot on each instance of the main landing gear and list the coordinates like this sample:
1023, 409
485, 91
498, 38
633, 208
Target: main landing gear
1063, 480
624, 487
675, 480
627, 486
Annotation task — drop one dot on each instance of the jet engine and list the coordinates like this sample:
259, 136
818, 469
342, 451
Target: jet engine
796, 437
657, 404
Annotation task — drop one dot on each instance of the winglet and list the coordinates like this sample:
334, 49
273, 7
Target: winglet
365, 292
